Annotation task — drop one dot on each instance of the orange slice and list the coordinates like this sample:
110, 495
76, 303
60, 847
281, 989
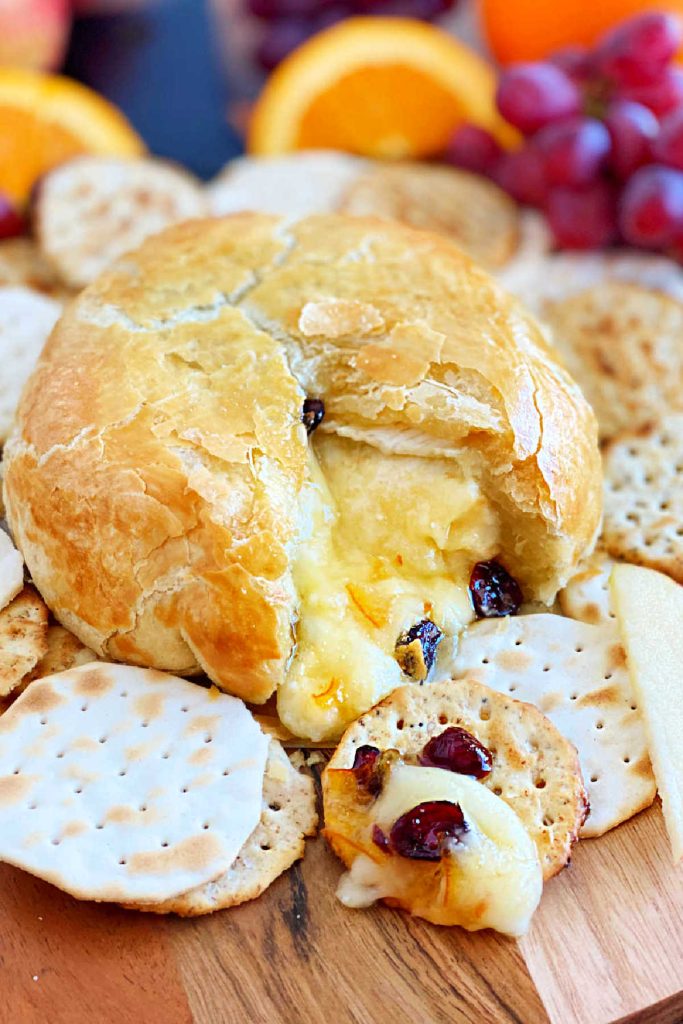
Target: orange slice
46, 119
381, 87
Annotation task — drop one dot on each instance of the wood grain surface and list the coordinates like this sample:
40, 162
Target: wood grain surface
606, 944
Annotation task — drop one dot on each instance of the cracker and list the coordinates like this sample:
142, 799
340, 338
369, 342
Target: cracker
22, 263
26, 319
94, 209
568, 273
476, 214
23, 638
535, 769
64, 651
11, 570
587, 595
288, 815
295, 184
125, 784
622, 344
576, 674
644, 497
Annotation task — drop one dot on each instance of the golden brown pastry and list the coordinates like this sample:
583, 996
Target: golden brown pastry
174, 513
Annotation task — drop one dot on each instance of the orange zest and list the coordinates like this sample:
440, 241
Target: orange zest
371, 605
46, 119
381, 87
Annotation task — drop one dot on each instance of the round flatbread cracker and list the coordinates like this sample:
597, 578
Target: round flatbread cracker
587, 595
576, 674
476, 214
622, 344
288, 815
535, 769
644, 497
26, 319
92, 210
564, 274
128, 785
22, 263
23, 638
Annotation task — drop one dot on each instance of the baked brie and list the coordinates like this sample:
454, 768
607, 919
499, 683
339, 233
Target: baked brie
273, 452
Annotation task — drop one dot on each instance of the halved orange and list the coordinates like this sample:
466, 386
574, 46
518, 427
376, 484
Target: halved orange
46, 119
381, 87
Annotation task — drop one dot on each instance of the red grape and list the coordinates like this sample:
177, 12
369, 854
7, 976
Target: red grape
522, 175
272, 10
651, 209
426, 10
582, 218
11, 221
667, 148
473, 148
575, 61
662, 95
532, 95
632, 128
638, 50
280, 38
574, 151
330, 14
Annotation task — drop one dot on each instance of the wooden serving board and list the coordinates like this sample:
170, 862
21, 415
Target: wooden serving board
606, 945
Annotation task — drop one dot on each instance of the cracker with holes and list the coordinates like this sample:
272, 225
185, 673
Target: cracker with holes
64, 651
94, 209
576, 674
534, 768
622, 344
453, 802
26, 319
23, 638
587, 594
125, 784
11, 570
644, 497
288, 815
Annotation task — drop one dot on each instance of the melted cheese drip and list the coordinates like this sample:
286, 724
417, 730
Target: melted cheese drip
497, 881
386, 542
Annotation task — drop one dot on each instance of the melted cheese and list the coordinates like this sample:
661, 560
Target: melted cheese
386, 542
495, 878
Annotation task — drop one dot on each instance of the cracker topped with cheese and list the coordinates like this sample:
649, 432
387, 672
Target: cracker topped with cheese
453, 802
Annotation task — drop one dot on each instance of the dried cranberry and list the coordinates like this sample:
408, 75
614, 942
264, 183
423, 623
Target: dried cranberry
423, 833
380, 839
494, 591
458, 751
313, 414
365, 768
416, 648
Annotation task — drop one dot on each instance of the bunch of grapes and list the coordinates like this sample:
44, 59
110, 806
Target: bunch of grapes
287, 23
603, 138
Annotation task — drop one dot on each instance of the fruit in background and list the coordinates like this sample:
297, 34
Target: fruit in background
109, 6
583, 218
603, 148
34, 33
46, 119
474, 149
519, 30
381, 87
287, 23
11, 221
651, 213
633, 129
531, 96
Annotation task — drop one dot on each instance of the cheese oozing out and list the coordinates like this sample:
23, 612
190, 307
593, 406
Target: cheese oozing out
493, 877
386, 541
